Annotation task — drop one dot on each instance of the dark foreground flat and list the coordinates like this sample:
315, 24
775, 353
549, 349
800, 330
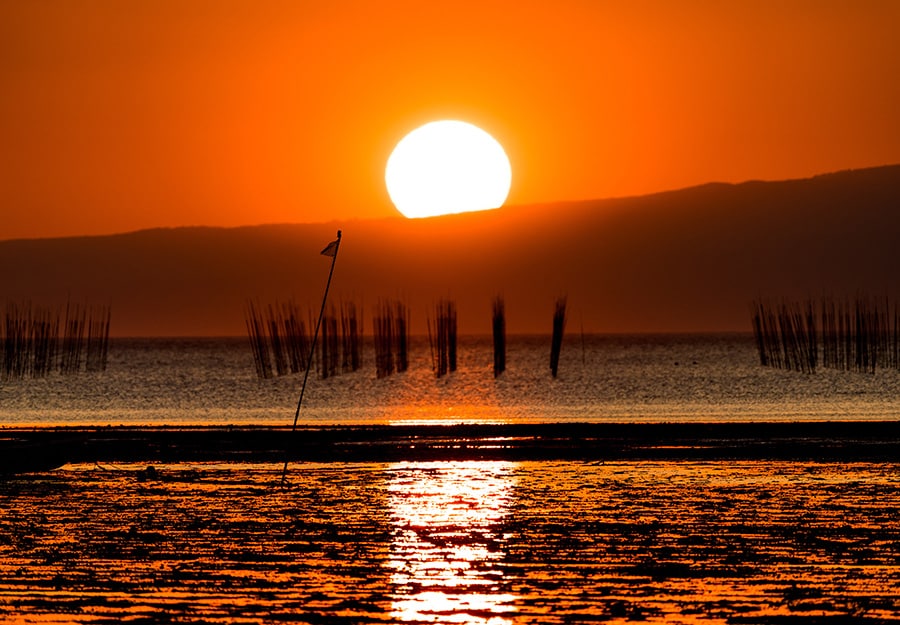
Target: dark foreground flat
19, 456
40, 449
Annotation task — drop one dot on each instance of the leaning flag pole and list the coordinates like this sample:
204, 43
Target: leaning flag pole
330, 250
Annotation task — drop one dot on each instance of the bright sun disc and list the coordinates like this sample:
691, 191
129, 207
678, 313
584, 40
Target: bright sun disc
447, 167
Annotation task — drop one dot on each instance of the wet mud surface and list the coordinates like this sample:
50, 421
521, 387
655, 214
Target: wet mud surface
488, 542
827, 441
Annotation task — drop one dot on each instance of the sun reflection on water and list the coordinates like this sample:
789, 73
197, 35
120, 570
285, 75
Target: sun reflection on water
447, 544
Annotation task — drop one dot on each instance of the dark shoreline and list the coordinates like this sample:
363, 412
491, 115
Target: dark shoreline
832, 441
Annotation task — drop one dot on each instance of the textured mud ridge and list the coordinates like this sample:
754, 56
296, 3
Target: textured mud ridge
824, 441
455, 541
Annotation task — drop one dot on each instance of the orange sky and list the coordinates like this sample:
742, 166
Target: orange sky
117, 116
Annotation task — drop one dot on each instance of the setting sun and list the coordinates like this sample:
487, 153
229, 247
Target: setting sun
447, 167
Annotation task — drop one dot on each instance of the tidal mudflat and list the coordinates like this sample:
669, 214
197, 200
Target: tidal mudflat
457, 542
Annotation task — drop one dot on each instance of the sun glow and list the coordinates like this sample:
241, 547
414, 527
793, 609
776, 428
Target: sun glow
447, 167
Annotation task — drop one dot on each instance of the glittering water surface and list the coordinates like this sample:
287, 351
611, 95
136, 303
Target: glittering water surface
453, 542
601, 378
447, 547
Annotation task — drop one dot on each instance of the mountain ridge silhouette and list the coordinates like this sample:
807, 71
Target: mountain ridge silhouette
675, 261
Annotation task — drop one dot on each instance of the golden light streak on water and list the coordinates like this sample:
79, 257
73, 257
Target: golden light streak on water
447, 545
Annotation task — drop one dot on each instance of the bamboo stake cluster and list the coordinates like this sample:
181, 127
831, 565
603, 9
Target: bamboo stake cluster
281, 342
559, 326
37, 340
498, 326
97, 348
443, 340
786, 335
860, 335
277, 334
329, 346
391, 337
856, 335
340, 347
351, 331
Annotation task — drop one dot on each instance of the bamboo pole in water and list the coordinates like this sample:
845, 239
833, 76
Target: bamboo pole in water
383, 326
401, 336
559, 325
445, 353
332, 250
498, 325
258, 342
350, 332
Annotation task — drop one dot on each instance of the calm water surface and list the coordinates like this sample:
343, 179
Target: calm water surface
453, 542
618, 378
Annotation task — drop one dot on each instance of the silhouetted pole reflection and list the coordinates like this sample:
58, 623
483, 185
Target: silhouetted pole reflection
447, 544
330, 250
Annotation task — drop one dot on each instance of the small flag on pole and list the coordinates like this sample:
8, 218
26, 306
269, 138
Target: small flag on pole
332, 248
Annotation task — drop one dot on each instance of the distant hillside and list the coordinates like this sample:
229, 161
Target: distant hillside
688, 260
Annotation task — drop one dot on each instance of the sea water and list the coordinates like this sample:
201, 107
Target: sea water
614, 378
